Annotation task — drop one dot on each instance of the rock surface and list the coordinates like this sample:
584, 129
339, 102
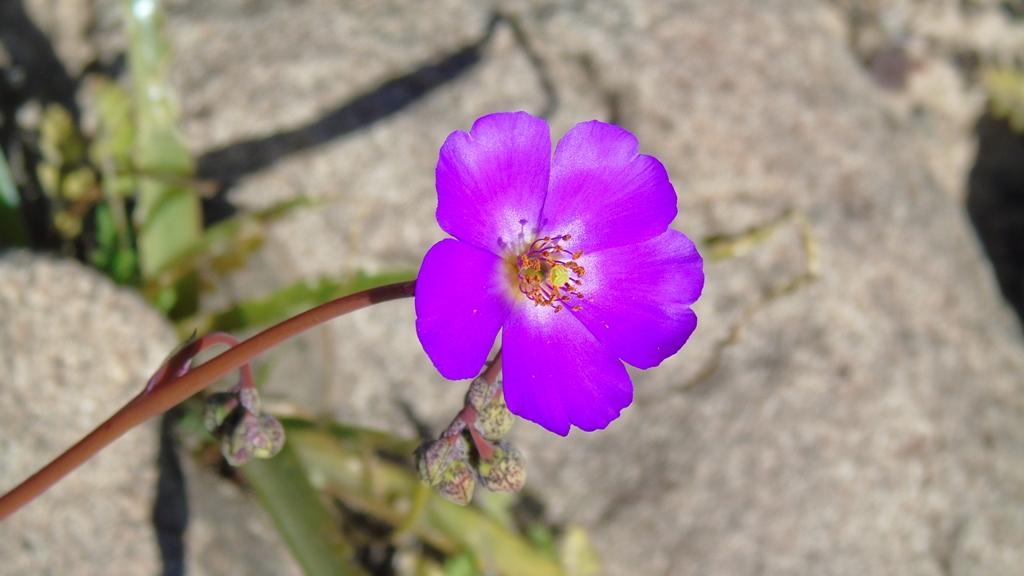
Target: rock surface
229, 532
869, 422
74, 348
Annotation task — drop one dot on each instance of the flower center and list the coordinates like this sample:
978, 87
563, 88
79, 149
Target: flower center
549, 275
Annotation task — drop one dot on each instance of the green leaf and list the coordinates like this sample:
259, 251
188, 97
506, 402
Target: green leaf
543, 538
12, 228
1005, 88
579, 558
66, 179
168, 215
111, 151
307, 526
224, 246
109, 254
341, 466
60, 143
286, 302
113, 147
461, 565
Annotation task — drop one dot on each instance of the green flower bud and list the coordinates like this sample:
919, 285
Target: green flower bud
481, 393
434, 458
250, 399
272, 437
494, 420
218, 409
457, 483
454, 429
234, 446
252, 436
505, 471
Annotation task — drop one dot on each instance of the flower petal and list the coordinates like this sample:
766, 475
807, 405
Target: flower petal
492, 181
603, 193
557, 374
461, 303
638, 297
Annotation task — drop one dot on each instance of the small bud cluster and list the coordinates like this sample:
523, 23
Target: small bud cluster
244, 432
493, 420
472, 448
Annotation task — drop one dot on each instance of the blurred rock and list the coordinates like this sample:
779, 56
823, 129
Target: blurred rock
927, 55
66, 25
229, 532
74, 348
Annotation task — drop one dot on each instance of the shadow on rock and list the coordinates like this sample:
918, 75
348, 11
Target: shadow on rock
170, 507
43, 75
230, 163
995, 203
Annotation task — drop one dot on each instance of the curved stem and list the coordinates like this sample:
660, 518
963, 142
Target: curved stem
174, 391
494, 368
468, 413
179, 361
245, 378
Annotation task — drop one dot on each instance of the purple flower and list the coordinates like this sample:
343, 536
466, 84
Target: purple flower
571, 258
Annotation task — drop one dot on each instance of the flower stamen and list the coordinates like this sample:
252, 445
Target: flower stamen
550, 275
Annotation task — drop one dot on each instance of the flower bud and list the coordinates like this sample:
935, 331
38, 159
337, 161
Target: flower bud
494, 420
457, 483
505, 471
434, 458
454, 429
218, 409
252, 436
250, 399
273, 432
481, 392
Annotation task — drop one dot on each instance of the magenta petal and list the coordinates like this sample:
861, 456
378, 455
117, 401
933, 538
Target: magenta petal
461, 303
603, 192
638, 297
492, 181
557, 374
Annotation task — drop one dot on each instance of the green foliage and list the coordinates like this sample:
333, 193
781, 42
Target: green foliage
12, 231
1005, 88
111, 151
285, 302
113, 145
579, 558
168, 216
308, 527
62, 148
114, 140
110, 255
461, 565
344, 466
65, 177
222, 248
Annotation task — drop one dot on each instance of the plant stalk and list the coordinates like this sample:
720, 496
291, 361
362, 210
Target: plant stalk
176, 390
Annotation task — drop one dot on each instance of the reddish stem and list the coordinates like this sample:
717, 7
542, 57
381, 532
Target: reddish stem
176, 390
245, 378
468, 412
492, 371
180, 361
